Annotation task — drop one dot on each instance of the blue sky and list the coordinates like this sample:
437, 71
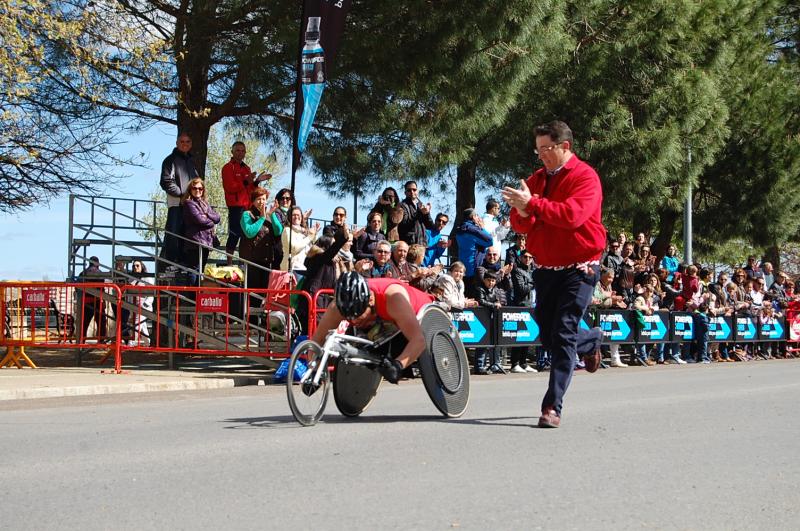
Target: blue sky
34, 243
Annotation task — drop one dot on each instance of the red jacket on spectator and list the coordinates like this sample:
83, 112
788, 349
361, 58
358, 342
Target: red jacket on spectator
237, 183
564, 225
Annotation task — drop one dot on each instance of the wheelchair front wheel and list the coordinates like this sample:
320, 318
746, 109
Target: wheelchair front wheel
307, 399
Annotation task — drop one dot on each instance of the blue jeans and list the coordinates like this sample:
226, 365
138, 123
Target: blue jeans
562, 297
482, 353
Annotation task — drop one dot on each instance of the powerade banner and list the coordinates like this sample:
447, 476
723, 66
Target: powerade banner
320, 32
720, 328
655, 329
516, 327
682, 326
746, 328
772, 330
474, 325
617, 325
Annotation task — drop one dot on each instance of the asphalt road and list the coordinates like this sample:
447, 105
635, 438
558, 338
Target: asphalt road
675, 447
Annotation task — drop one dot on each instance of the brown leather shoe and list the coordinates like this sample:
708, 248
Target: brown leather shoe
549, 418
591, 361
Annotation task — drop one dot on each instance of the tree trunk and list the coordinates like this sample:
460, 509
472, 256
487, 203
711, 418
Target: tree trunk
198, 131
772, 254
465, 198
667, 220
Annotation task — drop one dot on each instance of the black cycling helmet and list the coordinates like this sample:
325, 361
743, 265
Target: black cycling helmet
352, 295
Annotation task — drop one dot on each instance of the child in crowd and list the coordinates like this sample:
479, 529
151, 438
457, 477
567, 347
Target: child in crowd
488, 296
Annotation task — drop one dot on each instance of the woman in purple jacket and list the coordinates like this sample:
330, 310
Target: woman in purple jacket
199, 220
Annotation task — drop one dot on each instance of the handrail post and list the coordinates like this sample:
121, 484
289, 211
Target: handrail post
70, 238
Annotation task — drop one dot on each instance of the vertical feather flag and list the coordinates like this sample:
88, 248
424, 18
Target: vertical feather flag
321, 28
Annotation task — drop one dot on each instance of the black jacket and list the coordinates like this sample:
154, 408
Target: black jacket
176, 172
412, 228
522, 285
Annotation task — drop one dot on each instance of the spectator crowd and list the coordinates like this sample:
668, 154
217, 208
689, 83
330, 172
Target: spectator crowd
403, 240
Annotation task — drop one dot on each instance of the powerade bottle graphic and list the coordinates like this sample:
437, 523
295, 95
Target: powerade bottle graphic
312, 80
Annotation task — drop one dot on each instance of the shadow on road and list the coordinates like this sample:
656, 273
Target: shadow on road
285, 421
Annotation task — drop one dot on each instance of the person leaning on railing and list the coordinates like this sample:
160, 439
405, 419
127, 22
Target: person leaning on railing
199, 220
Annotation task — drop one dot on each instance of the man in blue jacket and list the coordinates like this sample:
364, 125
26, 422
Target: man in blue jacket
472, 240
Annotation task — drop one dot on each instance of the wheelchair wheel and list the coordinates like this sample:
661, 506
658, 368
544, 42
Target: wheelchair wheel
354, 387
443, 366
307, 400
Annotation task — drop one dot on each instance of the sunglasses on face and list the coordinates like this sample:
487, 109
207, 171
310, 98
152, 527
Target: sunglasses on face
411, 190
284, 198
197, 188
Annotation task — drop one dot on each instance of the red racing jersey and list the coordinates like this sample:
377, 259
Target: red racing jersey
378, 286
564, 225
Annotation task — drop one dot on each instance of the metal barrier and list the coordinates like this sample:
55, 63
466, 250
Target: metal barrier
213, 321
206, 321
58, 315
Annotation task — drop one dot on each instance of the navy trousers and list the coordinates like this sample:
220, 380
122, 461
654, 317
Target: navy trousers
562, 297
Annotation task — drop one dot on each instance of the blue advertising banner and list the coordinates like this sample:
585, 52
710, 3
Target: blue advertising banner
474, 325
617, 325
656, 328
720, 328
682, 326
516, 327
772, 330
746, 328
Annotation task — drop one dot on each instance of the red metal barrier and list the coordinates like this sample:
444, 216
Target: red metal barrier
213, 321
208, 321
58, 315
319, 309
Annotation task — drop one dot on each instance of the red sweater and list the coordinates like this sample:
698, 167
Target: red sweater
237, 183
564, 226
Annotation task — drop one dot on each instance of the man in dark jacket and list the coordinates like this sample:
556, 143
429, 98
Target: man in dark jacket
177, 171
416, 217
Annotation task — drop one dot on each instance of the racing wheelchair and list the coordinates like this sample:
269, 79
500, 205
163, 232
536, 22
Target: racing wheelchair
350, 365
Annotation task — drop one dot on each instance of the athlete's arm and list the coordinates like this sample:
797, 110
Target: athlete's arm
330, 320
398, 305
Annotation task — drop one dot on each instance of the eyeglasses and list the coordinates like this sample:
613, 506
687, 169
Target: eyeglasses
338, 214
492, 254
411, 190
198, 188
382, 251
547, 149
285, 198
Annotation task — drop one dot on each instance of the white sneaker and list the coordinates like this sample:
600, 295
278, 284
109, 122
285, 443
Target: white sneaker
528, 368
618, 363
680, 361
517, 369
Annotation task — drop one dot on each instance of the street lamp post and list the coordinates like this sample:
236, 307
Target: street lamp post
687, 217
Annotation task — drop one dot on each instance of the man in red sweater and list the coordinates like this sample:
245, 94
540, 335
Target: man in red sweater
559, 209
238, 181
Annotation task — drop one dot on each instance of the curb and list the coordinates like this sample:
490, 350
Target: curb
87, 390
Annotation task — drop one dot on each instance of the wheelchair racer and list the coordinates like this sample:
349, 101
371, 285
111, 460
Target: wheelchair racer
363, 301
